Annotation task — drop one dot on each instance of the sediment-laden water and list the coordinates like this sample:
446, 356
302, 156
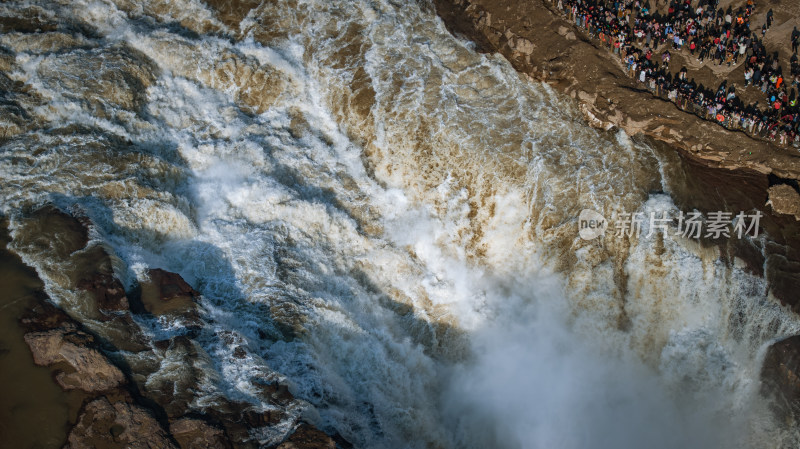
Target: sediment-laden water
387, 220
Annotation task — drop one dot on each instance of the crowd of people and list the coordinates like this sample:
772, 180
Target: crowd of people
644, 38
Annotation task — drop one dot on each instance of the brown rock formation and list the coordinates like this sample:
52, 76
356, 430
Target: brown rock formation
785, 200
115, 417
780, 377
191, 433
32, 23
58, 342
173, 387
61, 233
167, 293
308, 437
106, 424
170, 285
86, 368
107, 290
44, 316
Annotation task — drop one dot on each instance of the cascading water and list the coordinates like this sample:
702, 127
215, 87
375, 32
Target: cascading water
387, 219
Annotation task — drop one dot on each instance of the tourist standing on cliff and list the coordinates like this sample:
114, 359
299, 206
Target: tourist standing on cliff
721, 35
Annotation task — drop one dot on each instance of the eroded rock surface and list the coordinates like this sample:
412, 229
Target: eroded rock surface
785, 200
166, 293
106, 424
780, 375
308, 437
193, 433
57, 341
87, 368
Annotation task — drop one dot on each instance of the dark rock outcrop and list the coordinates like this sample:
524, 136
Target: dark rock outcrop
192, 433
173, 386
785, 200
168, 294
170, 286
308, 437
780, 376
107, 290
119, 424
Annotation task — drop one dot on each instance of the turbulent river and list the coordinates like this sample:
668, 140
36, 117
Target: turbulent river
387, 219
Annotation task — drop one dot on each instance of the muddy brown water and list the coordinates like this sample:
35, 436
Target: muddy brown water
135, 191
34, 411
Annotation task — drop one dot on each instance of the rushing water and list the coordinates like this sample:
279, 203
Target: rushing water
388, 220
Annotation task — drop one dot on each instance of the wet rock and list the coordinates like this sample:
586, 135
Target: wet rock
179, 379
56, 341
275, 392
82, 267
64, 238
7, 60
106, 424
86, 368
166, 293
191, 433
240, 421
239, 352
231, 13
40, 43
43, 316
175, 384
169, 376
785, 200
107, 290
780, 376
171, 285
306, 436
185, 13
56, 231
171, 388
243, 422
124, 333
30, 20
102, 78
257, 87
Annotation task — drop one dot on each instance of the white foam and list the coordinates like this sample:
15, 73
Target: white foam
364, 281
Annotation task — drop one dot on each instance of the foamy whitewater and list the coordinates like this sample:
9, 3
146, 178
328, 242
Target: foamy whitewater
388, 221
